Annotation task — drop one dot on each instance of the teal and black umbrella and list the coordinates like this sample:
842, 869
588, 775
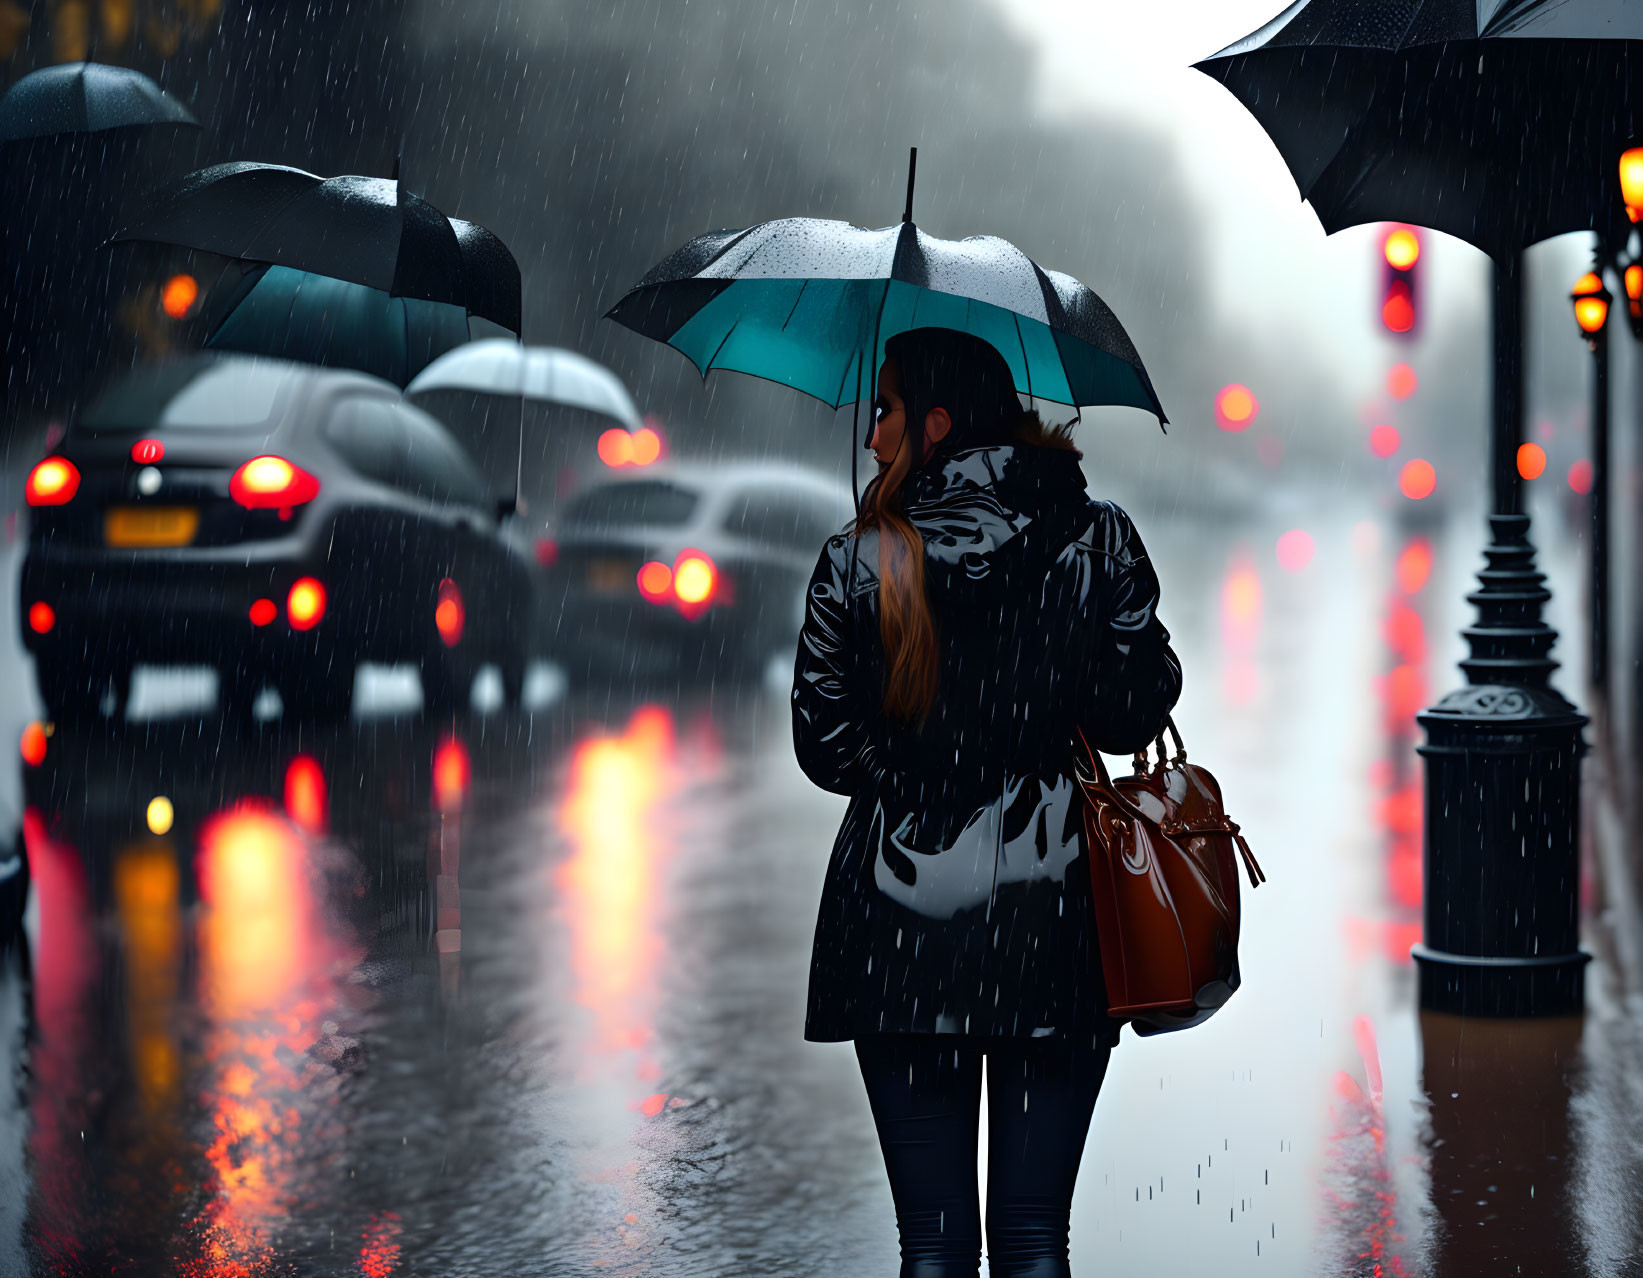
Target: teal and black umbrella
810, 303
316, 319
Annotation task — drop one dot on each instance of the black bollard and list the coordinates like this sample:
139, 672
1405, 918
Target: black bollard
1501, 912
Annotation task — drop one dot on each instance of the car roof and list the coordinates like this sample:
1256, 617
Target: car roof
218, 389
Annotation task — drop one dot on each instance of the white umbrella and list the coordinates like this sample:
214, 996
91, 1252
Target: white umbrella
548, 374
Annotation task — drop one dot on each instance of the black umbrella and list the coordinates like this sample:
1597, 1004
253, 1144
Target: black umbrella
1497, 121
86, 97
366, 230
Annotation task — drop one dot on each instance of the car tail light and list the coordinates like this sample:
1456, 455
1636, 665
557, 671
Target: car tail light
695, 578
42, 617
656, 582
305, 604
263, 612
145, 452
34, 744
547, 552
449, 615
52, 482
272, 483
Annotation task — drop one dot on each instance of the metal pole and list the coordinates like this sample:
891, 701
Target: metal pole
1600, 511
1501, 928
1506, 415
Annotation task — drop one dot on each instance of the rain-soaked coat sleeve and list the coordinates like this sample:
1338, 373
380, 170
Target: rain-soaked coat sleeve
1135, 675
830, 707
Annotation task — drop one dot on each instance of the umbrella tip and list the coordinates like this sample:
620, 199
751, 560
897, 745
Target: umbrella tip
912, 171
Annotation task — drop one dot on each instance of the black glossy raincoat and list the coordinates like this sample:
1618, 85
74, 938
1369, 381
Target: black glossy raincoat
957, 899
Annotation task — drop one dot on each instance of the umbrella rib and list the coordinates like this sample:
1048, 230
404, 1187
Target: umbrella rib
803, 284
1026, 361
708, 367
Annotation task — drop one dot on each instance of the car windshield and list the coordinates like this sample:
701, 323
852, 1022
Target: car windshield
654, 503
187, 396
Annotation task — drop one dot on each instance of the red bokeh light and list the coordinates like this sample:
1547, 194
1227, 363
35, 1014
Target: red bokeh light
1401, 381
42, 617
1531, 461
1580, 476
656, 581
1417, 479
1235, 407
616, 447
1414, 566
178, 296
263, 612
1406, 634
1384, 440
1398, 310
145, 452
1295, 549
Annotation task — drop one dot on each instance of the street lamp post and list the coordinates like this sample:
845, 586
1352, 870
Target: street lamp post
1501, 926
1591, 302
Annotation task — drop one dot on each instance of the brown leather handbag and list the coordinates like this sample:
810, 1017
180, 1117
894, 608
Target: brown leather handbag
1164, 869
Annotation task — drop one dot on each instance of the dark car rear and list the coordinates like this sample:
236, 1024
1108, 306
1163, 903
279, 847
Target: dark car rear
276, 521
687, 569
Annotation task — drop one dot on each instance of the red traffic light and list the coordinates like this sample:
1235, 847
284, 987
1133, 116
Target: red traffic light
1400, 284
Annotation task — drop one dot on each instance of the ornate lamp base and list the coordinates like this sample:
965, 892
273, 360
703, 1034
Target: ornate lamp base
1502, 924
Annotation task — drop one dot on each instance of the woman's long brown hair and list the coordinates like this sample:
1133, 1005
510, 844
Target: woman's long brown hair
940, 368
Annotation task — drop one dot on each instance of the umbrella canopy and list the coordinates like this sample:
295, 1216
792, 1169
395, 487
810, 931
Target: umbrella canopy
1497, 121
545, 374
86, 97
810, 303
368, 231
317, 319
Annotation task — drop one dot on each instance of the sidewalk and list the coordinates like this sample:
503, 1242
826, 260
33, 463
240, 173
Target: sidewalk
1322, 1124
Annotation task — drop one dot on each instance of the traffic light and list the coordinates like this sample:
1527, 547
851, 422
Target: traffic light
1400, 287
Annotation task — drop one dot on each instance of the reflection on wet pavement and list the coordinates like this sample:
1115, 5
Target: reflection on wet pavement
524, 994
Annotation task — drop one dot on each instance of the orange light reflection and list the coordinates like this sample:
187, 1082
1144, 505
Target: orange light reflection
609, 884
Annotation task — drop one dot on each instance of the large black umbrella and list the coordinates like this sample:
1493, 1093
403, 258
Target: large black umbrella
810, 303
369, 231
1497, 121
86, 97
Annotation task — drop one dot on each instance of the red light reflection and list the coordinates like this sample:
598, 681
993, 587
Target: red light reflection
453, 772
305, 794
267, 967
65, 973
1240, 630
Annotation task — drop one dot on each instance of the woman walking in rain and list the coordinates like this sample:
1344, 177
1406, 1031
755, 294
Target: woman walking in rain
980, 611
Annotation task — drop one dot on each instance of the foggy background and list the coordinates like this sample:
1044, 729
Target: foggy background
595, 139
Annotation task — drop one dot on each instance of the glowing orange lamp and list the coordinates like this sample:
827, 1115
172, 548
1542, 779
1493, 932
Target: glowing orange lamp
1591, 301
1631, 181
1632, 279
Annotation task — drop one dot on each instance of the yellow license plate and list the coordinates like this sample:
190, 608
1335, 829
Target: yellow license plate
611, 577
150, 525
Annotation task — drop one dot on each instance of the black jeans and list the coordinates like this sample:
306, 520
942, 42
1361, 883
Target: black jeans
925, 1090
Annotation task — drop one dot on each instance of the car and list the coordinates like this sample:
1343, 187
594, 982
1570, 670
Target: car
687, 568
278, 521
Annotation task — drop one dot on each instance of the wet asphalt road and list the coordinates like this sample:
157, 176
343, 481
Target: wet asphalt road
524, 994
